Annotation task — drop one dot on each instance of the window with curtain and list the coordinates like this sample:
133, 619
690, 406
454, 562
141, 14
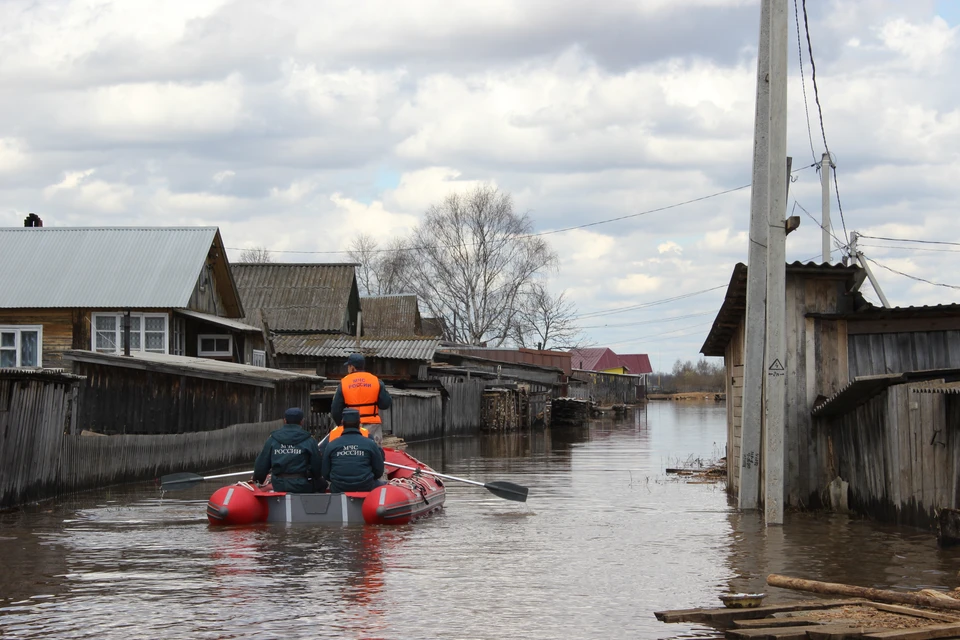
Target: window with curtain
148, 332
21, 346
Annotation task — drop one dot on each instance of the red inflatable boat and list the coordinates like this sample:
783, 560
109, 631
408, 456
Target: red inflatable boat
410, 494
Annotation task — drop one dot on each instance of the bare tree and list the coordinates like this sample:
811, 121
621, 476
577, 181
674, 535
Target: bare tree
545, 322
258, 255
474, 256
382, 271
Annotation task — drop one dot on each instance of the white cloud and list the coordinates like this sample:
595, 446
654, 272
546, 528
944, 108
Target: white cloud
223, 176
79, 190
12, 156
669, 246
922, 45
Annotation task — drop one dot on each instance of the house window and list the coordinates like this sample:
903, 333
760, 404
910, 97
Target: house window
21, 345
148, 332
179, 337
214, 345
259, 358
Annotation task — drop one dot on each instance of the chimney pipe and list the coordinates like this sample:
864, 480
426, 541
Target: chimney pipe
32, 220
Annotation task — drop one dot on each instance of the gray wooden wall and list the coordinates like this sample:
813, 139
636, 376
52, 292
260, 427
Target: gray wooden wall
414, 415
464, 404
871, 354
900, 453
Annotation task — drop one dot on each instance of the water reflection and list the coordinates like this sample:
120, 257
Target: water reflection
605, 539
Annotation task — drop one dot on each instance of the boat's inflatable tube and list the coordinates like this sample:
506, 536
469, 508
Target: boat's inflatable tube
236, 504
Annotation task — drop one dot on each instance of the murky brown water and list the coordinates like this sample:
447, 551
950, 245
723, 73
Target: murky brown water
604, 540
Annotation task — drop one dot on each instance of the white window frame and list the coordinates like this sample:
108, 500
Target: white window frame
118, 331
17, 329
215, 354
259, 358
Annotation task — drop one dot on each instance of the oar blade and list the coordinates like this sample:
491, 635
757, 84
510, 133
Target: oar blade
507, 491
179, 481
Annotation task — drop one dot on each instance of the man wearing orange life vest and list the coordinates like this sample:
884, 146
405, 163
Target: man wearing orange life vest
361, 391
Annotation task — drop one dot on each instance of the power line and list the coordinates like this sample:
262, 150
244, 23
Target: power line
894, 246
912, 277
657, 335
803, 82
955, 244
605, 312
823, 132
655, 320
840, 243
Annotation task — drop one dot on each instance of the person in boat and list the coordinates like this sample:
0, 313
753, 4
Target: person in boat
362, 391
353, 461
292, 458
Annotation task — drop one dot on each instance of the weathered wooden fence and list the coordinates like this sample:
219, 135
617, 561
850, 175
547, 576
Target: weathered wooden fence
899, 451
464, 404
35, 410
87, 462
414, 415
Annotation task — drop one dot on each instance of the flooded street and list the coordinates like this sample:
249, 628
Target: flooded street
605, 539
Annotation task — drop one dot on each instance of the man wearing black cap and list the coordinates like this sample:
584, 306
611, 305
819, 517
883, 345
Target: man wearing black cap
361, 391
292, 458
352, 462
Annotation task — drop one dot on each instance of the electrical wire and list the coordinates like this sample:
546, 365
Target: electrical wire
816, 96
912, 277
655, 320
803, 82
605, 312
893, 246
954, 244
839, 244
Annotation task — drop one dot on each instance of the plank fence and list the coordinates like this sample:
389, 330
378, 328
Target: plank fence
40, 458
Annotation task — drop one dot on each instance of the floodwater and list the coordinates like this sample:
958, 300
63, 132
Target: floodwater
605, 539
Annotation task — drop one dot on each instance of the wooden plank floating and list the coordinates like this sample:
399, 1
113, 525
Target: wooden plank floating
724, 615
925, 633
880, 595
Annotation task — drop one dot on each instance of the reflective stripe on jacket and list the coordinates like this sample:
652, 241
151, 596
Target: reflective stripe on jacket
361, 391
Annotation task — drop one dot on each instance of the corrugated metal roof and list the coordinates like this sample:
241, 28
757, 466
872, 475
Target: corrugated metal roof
594, 359
947, 388
98, 267
394, 316
296, 297
863, 388
636, 363
242, 373
223, 322
323, 346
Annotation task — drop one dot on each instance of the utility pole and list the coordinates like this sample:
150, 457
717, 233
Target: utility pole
825, 165
776, 341
748, 496
859, 257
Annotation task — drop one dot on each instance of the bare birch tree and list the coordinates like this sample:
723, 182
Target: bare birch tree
256, 255
381, 271
545, 322
471, 259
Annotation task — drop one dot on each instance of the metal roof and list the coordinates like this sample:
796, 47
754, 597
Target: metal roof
863, 388
223, 322
297, 297
324, 346
636, 363
734, 304
101, 267
393, 316
594, 359
198, 367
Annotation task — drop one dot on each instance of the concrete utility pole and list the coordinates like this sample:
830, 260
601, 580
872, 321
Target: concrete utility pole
776, 340
748, 496
859, 257
825, 165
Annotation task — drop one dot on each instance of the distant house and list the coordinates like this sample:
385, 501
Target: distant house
170, 289
391, 316
601, 360
311, 313
637, 364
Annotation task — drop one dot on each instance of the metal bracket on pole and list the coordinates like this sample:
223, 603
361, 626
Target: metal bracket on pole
859, 257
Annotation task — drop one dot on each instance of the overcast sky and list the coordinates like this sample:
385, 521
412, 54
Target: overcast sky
295, 125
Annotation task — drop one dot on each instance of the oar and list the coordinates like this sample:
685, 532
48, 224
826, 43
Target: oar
505, 490
185, 480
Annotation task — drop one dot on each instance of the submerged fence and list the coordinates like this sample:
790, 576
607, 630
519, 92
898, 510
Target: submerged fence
40, 459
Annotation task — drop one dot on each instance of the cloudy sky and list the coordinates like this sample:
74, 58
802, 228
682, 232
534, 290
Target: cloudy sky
295, 125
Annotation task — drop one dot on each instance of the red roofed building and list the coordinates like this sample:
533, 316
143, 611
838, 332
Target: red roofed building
636, 363
597, 359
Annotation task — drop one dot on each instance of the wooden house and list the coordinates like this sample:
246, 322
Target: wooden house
600, 359
391, 316
167, 290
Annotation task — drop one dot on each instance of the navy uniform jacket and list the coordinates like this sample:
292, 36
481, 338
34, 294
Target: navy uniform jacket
352, 462
290, 450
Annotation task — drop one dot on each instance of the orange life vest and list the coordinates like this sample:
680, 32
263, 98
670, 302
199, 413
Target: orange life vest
336, 432
361, 390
